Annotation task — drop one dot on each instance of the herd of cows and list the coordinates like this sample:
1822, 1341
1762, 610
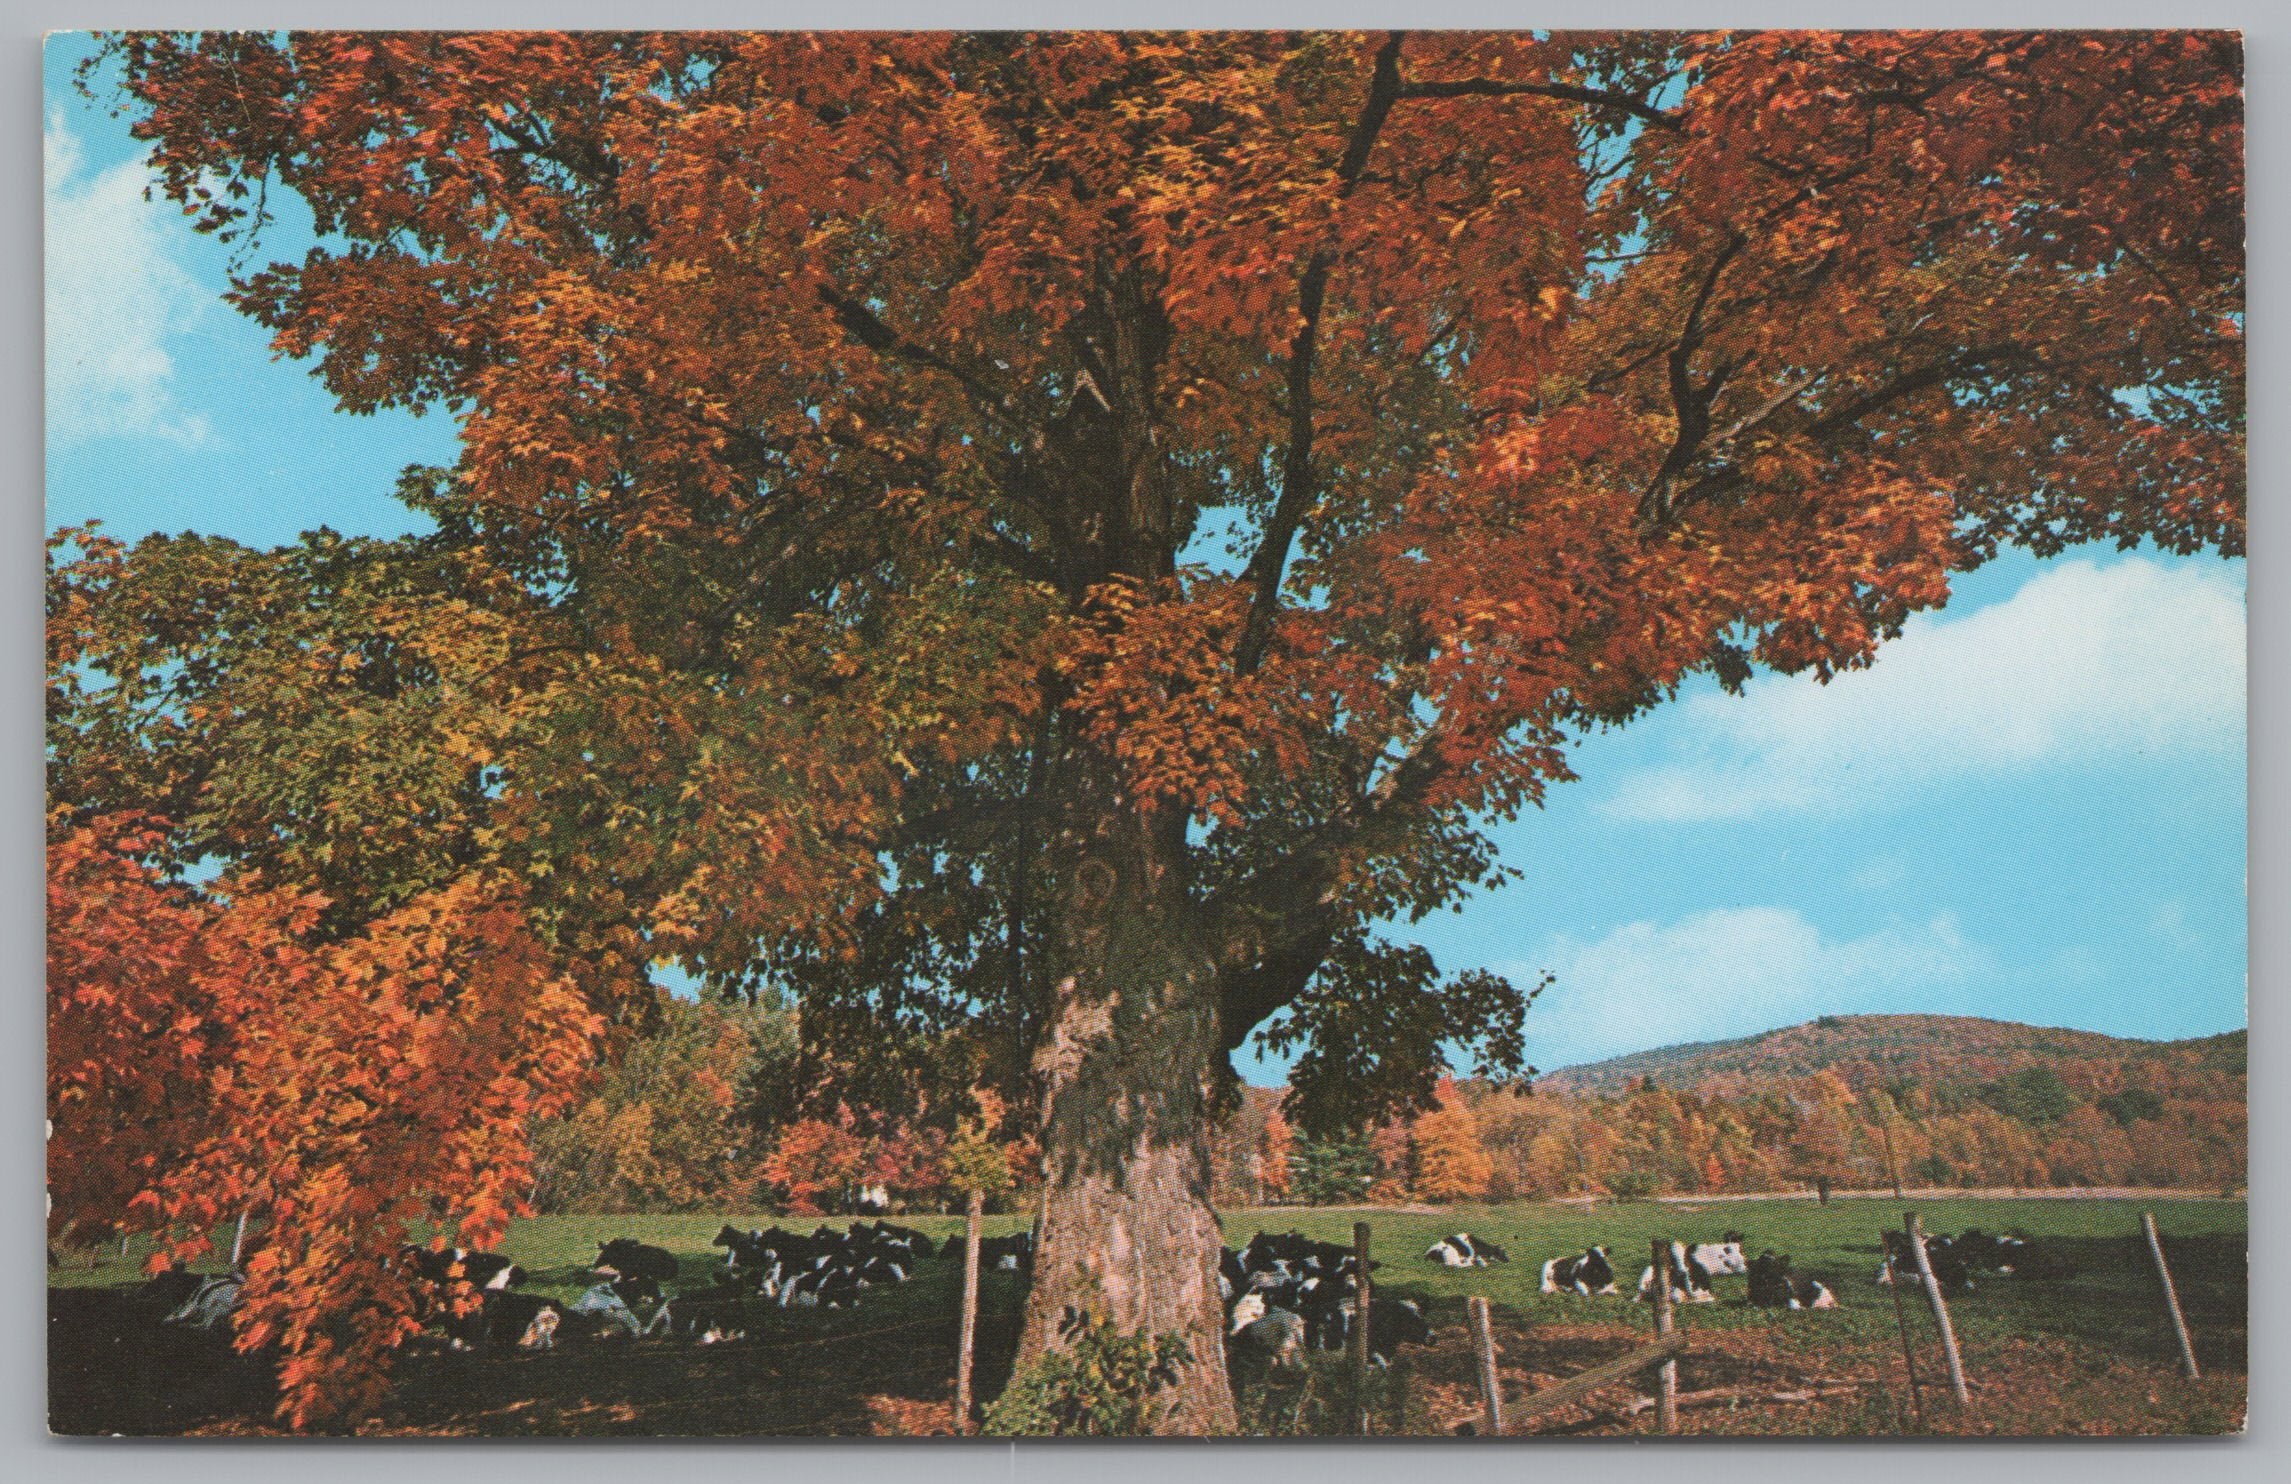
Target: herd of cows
1284, 1294
1956, 1262
1690, 1271
472, 1300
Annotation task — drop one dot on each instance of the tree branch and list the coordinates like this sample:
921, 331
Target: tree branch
1297, 486
1690, 405
1488, 87
1909, 383
868, 328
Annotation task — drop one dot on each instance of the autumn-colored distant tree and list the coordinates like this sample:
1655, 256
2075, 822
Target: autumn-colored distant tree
1276, 1150
975, 1160
1822, 1147
1450, 1164
818, 1162
1039, 543
1392, 1159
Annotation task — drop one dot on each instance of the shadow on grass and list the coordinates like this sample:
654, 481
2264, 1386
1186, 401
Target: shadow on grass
2115, 1303
115, 1369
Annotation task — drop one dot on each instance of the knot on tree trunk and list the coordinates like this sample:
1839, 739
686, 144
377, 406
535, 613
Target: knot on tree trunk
1079, 1025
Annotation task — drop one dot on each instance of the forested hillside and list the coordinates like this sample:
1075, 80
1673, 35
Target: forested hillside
1858, 1100
1869, 1051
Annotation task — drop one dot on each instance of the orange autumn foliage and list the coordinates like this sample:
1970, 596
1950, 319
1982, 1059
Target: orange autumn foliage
145, 980
1451, 1165
351, 1095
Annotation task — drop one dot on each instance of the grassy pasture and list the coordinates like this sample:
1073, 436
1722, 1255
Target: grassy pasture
2090, 1353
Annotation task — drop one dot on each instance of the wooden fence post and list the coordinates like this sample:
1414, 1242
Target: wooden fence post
1666, 1375
1901, 1318
2171, 1297
1491, 1383
972, 1235
1360, 1323
1949, 1353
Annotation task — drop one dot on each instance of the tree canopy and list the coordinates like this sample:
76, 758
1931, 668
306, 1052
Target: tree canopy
1040, 544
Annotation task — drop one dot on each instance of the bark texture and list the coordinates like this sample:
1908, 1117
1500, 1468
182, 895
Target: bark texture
1127, 1230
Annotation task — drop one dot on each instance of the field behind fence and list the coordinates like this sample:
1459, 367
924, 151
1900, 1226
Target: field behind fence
2093, 1352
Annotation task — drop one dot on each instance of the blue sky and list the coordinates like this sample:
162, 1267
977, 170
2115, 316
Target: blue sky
2031, 807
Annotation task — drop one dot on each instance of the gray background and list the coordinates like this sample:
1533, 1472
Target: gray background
26, 1452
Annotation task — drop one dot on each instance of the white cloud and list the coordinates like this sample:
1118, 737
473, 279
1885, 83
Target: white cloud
116, 299
2084, 664
1734, 972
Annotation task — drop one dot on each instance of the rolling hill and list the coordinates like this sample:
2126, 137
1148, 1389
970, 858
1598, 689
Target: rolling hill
1938, 1050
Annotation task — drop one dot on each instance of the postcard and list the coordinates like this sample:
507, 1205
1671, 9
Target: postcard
1289, 734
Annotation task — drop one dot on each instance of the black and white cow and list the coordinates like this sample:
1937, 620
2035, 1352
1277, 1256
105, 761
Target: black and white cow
1949, 1267
526, 1320
1689, 1276
446, 1265
1392, 1323
1773, 1285
1010, 1254
171, 1289
609, 1308
741, 1248
626, 1257
711, 1316
1286, 1293
1278, 1336
210, 1304
2007, 1256
916, 1244
1587, 1272
827, 1267
830, 1287
1294, 1252
1463, 1250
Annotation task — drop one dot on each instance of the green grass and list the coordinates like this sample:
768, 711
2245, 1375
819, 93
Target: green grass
2110, 1302
2088, 1353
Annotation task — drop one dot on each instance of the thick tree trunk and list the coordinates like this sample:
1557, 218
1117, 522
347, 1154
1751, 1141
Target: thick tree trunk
1127, 1231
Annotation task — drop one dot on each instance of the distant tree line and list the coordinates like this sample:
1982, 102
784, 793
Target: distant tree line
2032, 1127
697, 1113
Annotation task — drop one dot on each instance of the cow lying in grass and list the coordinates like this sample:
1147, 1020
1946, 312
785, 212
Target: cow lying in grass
1950, 1269
626, 1257
1587, 1273
447, 1265
1773, 1285
1463, 1250
1011, 1254
1956, 1259
828, 1268
209, 1305
1692, 1268
1287, 1294
610, 1308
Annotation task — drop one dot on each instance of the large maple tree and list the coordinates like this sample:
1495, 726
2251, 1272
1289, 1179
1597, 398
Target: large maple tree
1040, 543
